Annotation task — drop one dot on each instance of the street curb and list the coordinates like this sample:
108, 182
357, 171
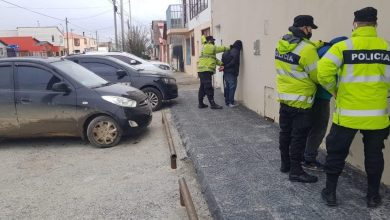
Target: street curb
215, 210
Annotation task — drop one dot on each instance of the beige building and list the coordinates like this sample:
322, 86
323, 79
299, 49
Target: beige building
196, 20
260, 24
79, 43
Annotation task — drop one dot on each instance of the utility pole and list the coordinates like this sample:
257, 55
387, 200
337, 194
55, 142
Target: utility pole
122, 27
116, 31
97, 42
129, 17
67, 36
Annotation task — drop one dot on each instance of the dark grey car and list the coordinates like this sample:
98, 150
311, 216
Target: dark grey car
55, 97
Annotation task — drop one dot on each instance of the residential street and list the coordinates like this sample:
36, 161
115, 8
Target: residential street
68, 179
236, 156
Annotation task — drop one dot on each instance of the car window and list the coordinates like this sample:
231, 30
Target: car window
126, 59
100, 69
79, 73
34, 78
6, 76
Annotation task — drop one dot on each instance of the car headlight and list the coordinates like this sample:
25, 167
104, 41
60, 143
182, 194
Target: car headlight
121, 101
169, 80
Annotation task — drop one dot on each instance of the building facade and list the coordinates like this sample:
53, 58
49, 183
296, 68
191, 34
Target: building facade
29, 46
260, 24
160, 50
51, 34
79, 43
196, 21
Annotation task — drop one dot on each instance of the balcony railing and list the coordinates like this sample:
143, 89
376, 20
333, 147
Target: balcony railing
175, 17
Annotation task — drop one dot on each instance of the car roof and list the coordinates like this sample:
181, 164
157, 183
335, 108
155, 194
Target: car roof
31, 59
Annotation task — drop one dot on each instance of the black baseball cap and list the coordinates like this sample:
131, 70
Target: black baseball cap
210, 38
304, 20
368, 14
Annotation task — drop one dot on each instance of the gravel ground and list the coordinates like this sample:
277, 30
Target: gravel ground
65, 178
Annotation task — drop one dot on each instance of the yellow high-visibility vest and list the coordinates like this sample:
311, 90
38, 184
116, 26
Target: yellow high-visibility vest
296, 68
358, 71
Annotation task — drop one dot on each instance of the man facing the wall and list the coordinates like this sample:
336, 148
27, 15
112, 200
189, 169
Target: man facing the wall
296, 66
231, 60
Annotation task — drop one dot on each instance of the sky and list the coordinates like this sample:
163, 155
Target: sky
84, 15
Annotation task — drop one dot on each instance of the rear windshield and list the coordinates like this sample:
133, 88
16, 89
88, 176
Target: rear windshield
79, 73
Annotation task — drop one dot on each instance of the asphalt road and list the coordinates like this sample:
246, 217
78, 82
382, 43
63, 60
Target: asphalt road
66, 178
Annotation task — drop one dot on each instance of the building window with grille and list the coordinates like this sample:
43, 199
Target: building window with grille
192, 46
77, 42
52, 38
196, 7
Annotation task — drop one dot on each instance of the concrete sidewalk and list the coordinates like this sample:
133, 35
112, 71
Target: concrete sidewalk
236, 155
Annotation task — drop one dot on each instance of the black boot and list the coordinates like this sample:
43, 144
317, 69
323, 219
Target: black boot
202, 105
285, 167
302, 177
374, 200
214, 105
328, 194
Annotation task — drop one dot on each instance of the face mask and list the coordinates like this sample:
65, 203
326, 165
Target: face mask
309, 35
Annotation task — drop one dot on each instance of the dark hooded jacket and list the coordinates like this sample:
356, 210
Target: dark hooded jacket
231, 59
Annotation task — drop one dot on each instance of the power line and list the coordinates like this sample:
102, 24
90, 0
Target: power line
18, 6
93, 16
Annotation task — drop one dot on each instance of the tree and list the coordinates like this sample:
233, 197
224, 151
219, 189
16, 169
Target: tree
137, 41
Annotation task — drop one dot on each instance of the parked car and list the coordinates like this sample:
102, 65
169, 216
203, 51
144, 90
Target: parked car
157, 86
56, 97
138, 62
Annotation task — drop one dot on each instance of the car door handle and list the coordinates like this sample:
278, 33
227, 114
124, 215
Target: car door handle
25, 100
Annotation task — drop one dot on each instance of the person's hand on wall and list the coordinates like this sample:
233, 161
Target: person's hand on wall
221, 68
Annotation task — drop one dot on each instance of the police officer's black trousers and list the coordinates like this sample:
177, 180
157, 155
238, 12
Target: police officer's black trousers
338, 143
206, 86
294, 127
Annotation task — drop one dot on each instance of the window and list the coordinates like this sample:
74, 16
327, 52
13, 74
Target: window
206, 32
196, 7
77, 42
33, 78
100, 69
85, 41
52, 38
192, 46
125, 59
6, 77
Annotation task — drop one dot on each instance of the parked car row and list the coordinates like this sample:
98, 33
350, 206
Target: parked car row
96, 97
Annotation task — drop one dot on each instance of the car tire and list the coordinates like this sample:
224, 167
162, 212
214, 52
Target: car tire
103, 132
154, 96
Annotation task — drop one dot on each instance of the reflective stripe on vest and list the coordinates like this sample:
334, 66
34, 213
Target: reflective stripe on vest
293, 73
295, 97
334, 59
362, 113
350, 78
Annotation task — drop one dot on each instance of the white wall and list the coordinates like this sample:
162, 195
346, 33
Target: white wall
201, 18
43, 34
3, 50
267, 21
8, 33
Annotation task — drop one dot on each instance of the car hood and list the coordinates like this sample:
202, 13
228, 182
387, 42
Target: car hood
121, 90
144, 72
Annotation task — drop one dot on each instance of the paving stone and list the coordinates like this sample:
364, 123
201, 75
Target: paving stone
237, 159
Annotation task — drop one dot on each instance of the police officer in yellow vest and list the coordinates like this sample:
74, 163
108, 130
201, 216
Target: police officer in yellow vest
206, 68
361, 67
296, 67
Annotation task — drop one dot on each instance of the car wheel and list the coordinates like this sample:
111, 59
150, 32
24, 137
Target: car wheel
154, 96
104, 131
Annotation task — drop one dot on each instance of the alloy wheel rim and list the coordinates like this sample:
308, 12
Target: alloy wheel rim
153, 99
105, 132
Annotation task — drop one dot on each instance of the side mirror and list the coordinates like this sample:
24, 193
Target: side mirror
133, 62
121, 74
61, 87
